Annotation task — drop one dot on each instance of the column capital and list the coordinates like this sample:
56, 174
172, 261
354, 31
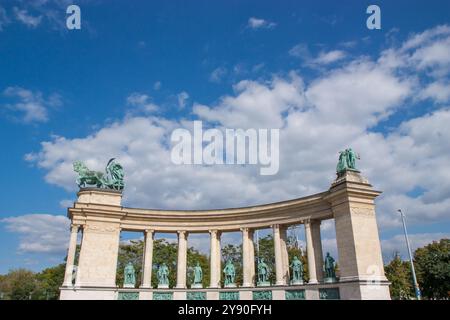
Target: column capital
149, 233
275, 226
183, 233
215, 232
74, 228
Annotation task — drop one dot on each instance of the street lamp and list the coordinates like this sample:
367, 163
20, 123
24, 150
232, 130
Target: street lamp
416, 286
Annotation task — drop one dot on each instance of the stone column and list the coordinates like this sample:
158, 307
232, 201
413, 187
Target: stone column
317, 244
148, 258
278, 256
251, 249
310, 253
71, 255
215, 259
248, 257
284, 252
181, 264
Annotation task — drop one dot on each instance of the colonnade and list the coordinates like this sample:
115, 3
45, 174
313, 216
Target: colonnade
313, 250
349, 201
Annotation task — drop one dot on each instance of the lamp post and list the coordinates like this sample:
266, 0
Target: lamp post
416, 286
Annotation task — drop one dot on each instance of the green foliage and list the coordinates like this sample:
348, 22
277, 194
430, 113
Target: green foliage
432, 264
18, 284
49, 280
399, 275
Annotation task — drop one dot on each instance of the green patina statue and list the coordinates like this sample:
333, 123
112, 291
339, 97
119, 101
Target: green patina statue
329, 268
297, 271
129, 276
163, 275
112, 179
198, 276
263, 273
230, 273
347, 160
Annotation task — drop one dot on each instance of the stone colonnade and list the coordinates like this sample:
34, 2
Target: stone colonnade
349, 201
314, 247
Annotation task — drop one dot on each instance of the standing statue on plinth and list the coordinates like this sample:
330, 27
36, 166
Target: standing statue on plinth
329, 268
263, 273
351, 158
297, 271
129, 276
163, 276
347, 160
230, 274
198, 276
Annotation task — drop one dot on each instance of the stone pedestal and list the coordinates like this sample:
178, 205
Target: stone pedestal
263, 284
329, 280
360, 261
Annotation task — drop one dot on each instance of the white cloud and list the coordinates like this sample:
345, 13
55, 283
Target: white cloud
317, 118
330, 57
66, 203
244, 109
142, 102
27, 19
40, 233
217, 74
438, 91
300, 51
424, 52
4, 20
397, 243
182, 98
32, 105
257, 23
324, 58
157, 85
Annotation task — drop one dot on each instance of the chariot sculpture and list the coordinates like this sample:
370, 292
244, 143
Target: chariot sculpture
111, 179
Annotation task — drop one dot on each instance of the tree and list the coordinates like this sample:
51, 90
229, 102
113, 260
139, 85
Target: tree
399, 275
48, 282
18, 284
432, 264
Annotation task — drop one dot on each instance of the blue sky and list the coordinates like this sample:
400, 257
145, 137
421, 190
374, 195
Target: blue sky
137, 70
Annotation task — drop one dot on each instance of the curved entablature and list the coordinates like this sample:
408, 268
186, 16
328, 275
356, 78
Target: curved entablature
232, 219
